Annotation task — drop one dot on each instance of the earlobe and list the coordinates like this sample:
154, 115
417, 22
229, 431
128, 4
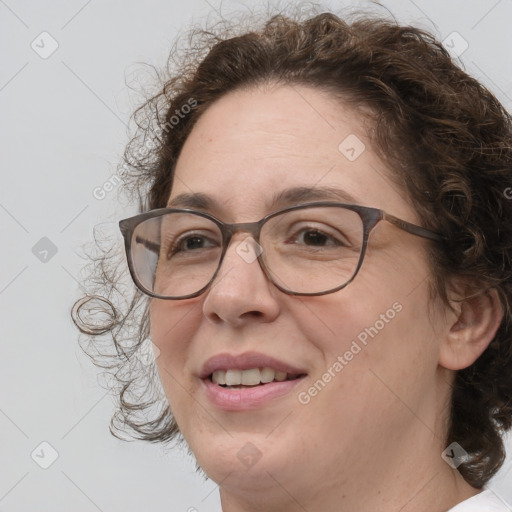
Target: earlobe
477, 320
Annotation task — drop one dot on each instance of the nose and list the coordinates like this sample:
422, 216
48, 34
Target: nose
241, 292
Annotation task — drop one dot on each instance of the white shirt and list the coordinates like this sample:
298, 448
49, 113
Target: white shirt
486, 501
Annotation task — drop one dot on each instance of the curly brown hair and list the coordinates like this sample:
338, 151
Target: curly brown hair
446, 138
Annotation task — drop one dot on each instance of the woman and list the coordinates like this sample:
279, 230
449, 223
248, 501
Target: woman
323, 264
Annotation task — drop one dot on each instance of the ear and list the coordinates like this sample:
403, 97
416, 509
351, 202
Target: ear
477, 319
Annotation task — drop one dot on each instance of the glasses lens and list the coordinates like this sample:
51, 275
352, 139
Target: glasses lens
175, 254
312, 250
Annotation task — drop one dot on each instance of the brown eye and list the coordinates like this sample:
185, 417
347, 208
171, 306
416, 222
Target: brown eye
190, 243
315, 237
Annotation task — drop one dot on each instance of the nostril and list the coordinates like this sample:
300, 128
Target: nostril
255, 313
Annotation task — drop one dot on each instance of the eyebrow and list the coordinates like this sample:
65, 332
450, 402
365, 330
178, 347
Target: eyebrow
287, 197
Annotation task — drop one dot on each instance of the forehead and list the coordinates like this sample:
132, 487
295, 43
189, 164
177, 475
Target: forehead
253, 145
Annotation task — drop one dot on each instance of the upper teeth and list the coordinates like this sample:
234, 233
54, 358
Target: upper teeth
250, 377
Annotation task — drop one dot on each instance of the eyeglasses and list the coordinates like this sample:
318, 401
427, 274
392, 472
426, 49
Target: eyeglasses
307, 249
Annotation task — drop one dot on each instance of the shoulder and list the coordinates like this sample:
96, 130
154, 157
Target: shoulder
486, 501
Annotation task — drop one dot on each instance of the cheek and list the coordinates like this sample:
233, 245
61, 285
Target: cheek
377, 328
360, 313
379, 364
173, 325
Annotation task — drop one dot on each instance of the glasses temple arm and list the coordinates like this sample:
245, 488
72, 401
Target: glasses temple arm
413, 228
152, 246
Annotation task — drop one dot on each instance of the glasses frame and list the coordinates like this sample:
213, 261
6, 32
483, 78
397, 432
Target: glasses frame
369, 216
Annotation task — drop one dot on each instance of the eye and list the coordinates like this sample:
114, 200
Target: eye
315, 237
312, 236
189, 243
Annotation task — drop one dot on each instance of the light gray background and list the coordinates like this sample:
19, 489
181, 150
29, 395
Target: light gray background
62, 131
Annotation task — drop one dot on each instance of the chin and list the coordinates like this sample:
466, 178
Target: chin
245, 461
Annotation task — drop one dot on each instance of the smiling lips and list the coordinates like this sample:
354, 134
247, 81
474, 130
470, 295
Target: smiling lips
247, 381
252, 377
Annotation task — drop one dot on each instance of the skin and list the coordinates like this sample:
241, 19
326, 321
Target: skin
372, 438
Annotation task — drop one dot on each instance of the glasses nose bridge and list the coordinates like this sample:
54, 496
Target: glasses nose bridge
253, 228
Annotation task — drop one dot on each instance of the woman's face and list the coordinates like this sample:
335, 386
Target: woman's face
372, 389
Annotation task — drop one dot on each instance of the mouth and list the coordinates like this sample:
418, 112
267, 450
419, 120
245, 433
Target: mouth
248, 381
253, 377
